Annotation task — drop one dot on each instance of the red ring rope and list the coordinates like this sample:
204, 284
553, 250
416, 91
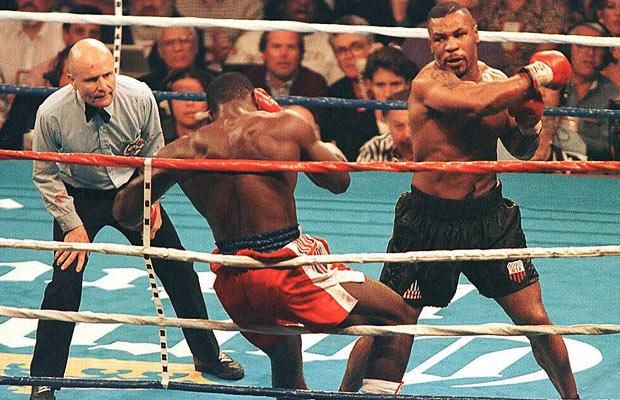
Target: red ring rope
323, 166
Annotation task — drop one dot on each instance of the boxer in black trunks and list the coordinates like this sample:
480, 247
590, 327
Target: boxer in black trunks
458, 108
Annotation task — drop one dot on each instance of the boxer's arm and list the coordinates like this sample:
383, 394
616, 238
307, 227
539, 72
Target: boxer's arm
442, 91
128, 202
313, 149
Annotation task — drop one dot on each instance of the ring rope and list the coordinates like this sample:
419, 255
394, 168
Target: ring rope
165, 383
150, 272
222, 165
332, 102
355, 258
357, 330
220, 389
118, 37
270, 25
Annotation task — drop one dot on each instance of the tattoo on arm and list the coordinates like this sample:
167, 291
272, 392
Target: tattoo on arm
446, 79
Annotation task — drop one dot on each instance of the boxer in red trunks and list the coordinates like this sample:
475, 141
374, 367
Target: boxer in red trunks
254, 214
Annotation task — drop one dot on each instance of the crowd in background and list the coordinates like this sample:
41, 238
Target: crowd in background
316, 64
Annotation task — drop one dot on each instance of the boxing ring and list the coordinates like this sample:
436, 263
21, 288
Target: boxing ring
559, 212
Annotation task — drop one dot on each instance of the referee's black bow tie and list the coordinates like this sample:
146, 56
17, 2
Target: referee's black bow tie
92, 110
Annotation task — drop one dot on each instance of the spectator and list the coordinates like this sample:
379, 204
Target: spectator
186, 116
71, 33
318, 56
608, 14
27, 43
21, 117
612, 70
176, 49
394, 145
282, 73
589, 89
218, 42
546, 16
349, 128
377, 13
388, 71
146, 36
105, 7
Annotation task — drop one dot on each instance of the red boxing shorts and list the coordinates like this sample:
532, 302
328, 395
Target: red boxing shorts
310, 295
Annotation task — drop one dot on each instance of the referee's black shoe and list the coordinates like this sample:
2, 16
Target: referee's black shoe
42, 393
226, 368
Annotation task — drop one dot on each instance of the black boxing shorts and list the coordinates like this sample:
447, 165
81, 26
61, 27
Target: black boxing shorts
423, 222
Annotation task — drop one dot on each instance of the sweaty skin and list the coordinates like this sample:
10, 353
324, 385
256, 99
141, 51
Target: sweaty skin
457, 110
222, 198
243, 204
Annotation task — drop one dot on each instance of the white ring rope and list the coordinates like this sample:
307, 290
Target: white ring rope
269, 25
118, 37
356, 258
150, 272
358, 330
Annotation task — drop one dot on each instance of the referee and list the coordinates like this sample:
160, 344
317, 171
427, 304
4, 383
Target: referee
104, 114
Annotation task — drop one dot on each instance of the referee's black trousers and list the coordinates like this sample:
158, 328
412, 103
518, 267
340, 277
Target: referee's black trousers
64, 292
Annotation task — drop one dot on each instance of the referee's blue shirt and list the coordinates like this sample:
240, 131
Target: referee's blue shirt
134, 129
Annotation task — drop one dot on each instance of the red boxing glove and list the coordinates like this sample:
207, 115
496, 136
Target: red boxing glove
264, 101
528, 114
549, 68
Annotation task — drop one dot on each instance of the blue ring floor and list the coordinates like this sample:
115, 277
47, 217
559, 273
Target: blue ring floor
558, 210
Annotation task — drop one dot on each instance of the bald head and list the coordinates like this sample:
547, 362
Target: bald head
91, 70
86, 52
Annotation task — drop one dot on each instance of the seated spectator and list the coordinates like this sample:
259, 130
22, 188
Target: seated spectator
349, 128
395, 145
105, 7
20, 119
388, 71
612, 70
71, 33
176, 49
608, 14
186, 116
318, 56
146, 36
282, 73
218, 41
589, 89
543, 16
377, 13
25, 44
